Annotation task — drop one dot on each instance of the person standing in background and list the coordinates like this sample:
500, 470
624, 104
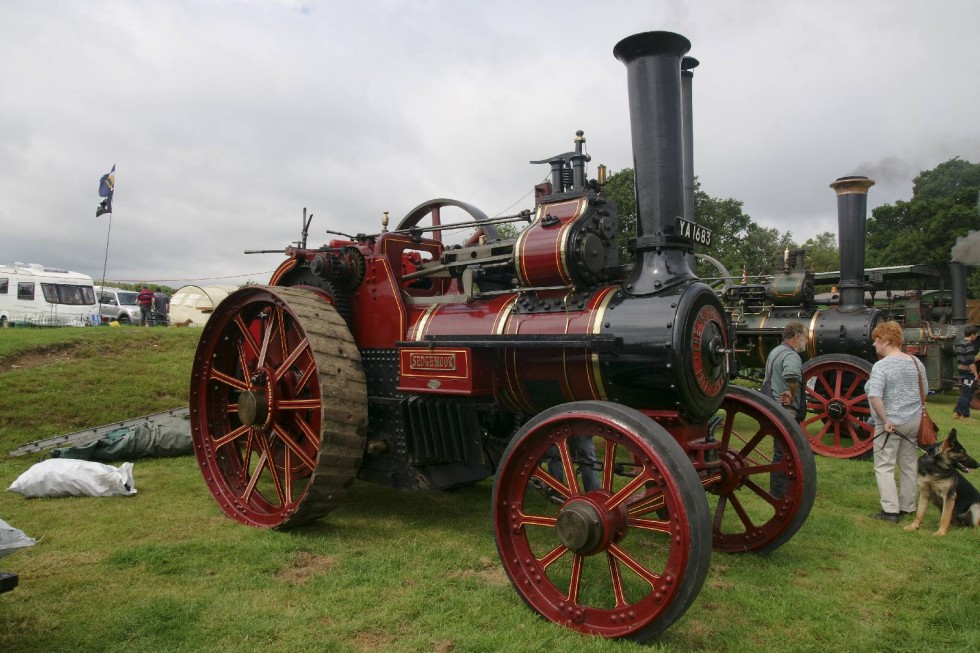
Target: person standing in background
145, 300
966, 363
783, 380
896, 408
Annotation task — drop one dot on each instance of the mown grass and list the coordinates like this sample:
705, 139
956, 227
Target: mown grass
164, 570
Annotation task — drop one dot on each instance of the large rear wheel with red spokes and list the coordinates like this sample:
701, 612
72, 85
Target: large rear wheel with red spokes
278, 406
838, 422
764, 488
601, 521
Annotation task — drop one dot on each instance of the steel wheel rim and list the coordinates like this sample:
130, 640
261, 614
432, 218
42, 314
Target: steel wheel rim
637, 566
746, 514
838, 413
258, 407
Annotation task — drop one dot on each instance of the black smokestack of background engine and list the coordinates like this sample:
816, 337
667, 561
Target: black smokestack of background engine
957, 280
852, 209
653, 69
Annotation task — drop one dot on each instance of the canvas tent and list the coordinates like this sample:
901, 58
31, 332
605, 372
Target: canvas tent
195, 303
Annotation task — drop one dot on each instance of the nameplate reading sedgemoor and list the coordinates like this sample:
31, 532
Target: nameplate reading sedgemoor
432, 362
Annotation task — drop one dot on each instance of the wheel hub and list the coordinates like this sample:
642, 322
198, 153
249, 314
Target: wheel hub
586, 528
732, 465
253, 408
836, 410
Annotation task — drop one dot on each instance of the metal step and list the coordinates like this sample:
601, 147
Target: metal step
80, 438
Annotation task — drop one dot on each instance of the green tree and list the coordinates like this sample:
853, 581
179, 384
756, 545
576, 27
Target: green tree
924, 229
822, 252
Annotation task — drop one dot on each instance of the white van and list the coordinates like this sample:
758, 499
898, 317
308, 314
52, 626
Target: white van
34, 294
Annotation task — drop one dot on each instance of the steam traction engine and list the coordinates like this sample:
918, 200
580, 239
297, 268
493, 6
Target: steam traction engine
597, 394
839, 349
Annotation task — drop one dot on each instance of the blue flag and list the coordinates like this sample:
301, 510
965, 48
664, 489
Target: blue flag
106, 187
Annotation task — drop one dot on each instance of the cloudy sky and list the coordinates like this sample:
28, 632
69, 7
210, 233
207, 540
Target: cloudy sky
225, 118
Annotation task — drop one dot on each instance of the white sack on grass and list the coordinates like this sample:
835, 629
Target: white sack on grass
12, 539
65, 477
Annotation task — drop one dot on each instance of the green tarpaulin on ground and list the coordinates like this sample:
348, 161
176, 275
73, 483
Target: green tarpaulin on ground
165, 437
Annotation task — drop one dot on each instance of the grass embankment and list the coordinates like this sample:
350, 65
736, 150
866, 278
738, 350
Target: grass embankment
164, 570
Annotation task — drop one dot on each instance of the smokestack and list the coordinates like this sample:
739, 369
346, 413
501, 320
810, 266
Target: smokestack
687, 65
957, 276
653, 74
852, 210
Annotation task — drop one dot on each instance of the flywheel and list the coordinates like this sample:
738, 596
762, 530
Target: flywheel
278, 406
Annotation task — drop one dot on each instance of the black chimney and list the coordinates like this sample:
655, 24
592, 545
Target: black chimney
852, 210
687, 65
653, 73
957, 282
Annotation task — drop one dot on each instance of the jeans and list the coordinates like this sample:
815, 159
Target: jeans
966, 396
146, 316
582, 450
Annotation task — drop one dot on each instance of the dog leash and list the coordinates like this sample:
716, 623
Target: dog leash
907, 439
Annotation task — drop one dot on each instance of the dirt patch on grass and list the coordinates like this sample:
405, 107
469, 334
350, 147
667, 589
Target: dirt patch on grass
373, 641
38, 356
488, 571
303, 566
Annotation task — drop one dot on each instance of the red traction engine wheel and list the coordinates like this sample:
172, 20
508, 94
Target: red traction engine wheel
624, 559
838, 422
765, 486
278, 406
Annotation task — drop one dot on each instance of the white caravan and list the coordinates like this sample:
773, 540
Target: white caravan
34, 294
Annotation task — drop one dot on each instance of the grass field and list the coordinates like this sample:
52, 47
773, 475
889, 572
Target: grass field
165, 570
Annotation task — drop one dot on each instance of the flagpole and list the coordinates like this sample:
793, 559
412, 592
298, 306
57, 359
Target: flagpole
105, 261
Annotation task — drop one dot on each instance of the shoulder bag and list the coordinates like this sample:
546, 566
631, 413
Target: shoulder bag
928, 431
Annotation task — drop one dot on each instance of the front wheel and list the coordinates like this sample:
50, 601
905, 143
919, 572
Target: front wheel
601, 521
763, 489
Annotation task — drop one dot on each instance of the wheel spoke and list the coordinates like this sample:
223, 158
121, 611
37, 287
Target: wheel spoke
281, 333
254, 478
553, 555
608, 465
243, 359
551, 482
651, 525
740, 511
576, 580
524, 519
231, 436
633, 564
265, 339
616, 576
290, 443
246, 334
276, 481
566, 462
627, 490
298, 404
298, 350
651, 502
227, 379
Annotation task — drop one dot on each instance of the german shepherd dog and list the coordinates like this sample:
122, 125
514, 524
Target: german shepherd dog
940, 482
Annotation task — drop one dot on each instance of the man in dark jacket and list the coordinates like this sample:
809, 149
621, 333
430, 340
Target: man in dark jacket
966, 359
145, 300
